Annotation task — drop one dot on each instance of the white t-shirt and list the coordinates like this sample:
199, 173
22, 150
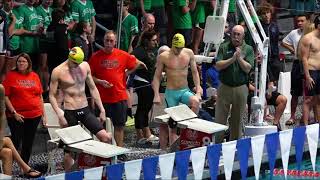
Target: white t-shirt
293, 39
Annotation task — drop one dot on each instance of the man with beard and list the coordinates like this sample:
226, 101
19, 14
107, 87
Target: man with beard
234, 61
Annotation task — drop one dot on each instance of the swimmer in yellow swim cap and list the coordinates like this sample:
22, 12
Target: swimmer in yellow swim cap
76, 55
178, 41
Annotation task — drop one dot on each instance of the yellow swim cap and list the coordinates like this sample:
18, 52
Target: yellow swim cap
76, 55
178, 41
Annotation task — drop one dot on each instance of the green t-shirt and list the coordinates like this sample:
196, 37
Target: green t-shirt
180, 20
198, 15
157, 3
146, 4
14, 42
82, 11
232, 6
233, 75
44, 15
30, 22
128, 29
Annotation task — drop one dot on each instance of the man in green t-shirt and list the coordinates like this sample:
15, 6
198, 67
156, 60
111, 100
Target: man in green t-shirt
14, 42
234, 61
129, 28
33, 29
83, 10
182, 20
44, 13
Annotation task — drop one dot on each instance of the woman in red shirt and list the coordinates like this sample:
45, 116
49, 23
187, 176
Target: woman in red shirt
23, 97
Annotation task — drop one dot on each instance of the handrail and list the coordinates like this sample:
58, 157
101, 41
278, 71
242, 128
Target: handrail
102, 27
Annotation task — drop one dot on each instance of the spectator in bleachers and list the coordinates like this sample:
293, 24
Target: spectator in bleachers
83, 10
181, 18
290, 42
141, 8
159, 11
6, 25
44, 11
23, 97
198, 22
17, 30
275, 66
65, 5
234, 61
57, 39
33, 29
83, 31
129, 28
145, 52
147, 24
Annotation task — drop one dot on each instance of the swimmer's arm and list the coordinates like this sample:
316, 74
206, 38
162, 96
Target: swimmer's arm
94, 91
53, 91
195, 74
157, 76
304, 55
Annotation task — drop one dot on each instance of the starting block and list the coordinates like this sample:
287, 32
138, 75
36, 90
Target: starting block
90, 153
195, 132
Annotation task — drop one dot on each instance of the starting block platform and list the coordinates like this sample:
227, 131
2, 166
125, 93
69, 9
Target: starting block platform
195, 132
90, 153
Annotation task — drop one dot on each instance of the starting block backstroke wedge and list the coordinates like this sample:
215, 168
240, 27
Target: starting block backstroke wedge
79, 141
195, 132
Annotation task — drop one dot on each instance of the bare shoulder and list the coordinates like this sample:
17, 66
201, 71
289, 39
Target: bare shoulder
164, 56
187, 51
308, 38
57, 71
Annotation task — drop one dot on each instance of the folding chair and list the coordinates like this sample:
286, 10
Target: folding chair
52, 144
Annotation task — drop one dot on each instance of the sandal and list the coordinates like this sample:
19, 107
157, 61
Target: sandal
32, 171
290, 122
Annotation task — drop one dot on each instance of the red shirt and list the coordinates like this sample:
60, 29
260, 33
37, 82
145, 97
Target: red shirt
111, 67
24, 92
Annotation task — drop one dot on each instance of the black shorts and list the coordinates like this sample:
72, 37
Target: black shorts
315, 75
187, 33
86, 117
117, 112
273, 99
296, 79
